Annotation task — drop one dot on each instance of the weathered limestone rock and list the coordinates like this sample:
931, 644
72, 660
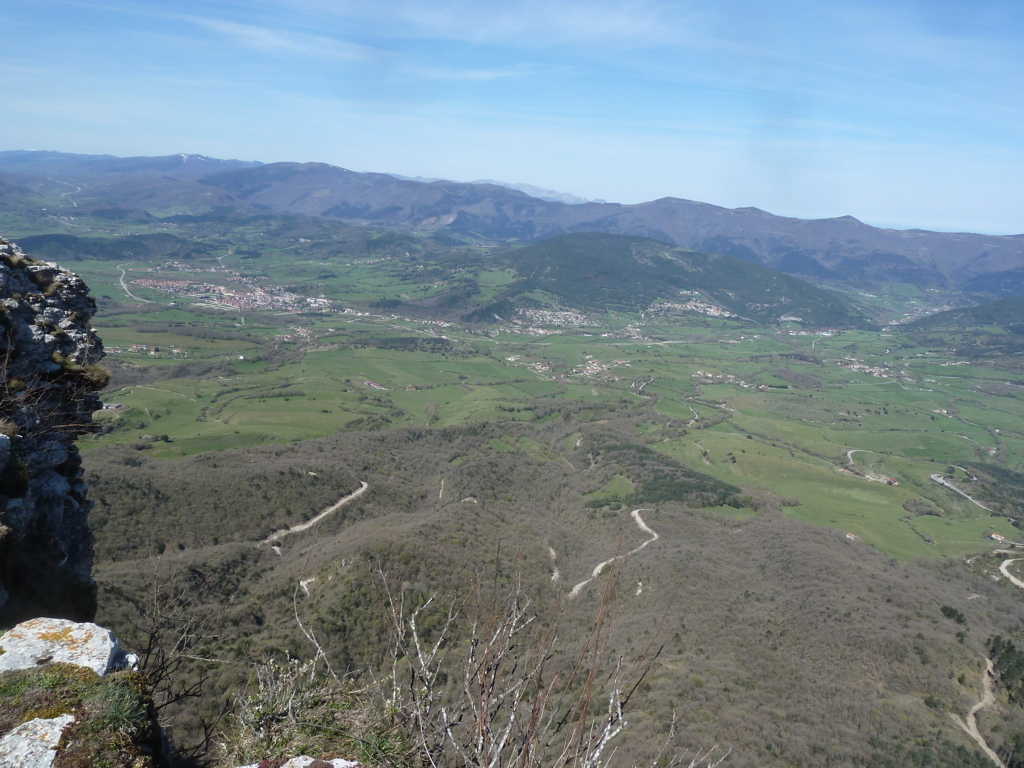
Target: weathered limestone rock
48, 384
44, 641
79, 699
33, 744
305, 762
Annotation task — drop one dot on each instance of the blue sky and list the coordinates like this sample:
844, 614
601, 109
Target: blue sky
903, 113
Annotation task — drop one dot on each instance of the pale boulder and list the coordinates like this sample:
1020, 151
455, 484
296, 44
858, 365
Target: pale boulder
44, 641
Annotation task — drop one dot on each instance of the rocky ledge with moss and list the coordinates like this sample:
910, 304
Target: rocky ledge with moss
48, 382
71, 699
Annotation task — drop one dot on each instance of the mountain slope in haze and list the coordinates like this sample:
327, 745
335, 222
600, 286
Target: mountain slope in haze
596, 271
540, 193
316, 189
1005, 313
67, 166
842, 249
997, 285
551, 195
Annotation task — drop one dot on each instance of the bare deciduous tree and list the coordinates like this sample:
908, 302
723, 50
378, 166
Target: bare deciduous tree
495, 695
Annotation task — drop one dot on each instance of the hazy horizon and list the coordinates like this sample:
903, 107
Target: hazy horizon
902, 114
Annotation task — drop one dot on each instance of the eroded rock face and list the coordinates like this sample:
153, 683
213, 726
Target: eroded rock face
48, 382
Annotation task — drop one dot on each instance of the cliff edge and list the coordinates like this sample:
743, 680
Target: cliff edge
48, 382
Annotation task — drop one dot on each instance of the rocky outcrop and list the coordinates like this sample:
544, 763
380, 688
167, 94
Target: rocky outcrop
305, 762
70, 697
48, 382
59, 641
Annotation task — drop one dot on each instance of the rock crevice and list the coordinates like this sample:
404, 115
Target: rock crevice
48, 382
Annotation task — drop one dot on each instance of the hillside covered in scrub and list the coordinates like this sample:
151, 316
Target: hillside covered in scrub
771, 632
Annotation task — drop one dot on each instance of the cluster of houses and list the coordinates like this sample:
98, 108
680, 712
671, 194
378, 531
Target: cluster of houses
879, 371
629, 332
537, 366
253, 298
693, 305
145, 349
707, 377
562, 318
594, 367
524, 330
296, 333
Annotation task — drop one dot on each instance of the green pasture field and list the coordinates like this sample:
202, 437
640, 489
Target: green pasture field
873, 511
617, 489
786, 431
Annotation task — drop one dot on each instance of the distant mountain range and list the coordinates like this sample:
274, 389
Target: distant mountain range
70, 167
540, 193
840, 250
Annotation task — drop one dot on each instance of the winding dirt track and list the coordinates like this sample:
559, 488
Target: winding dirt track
988, 697
635, 514
849, 456
1005, 570
971, 726
310, 523
938, 478
124, 287
555, 575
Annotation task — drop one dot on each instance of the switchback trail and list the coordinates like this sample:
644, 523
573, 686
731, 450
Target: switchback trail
938, 478
310, 523
849, 456
971, 726
635, 514
1005, 570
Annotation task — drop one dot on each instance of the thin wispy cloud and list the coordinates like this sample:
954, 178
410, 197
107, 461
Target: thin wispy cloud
466, 75
277, 41
525, 23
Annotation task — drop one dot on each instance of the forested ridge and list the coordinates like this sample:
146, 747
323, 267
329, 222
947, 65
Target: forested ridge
791, 645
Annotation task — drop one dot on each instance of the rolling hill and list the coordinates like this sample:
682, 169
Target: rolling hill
1005, 313
596, 271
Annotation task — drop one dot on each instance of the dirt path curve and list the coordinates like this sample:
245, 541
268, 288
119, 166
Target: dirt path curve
1004, 569
849, 455
971, 726
696, 416
635, 514
168, 391
310, 523
124, 287
945, 483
